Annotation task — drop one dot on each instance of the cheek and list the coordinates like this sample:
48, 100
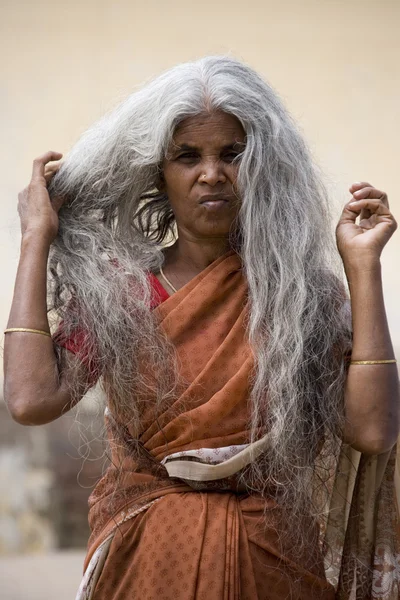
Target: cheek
233, 170
178, 179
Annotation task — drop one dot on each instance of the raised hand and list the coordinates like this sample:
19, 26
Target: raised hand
361, 243
38, 214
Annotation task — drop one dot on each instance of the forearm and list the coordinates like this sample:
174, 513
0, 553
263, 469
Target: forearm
30, 365
372, 391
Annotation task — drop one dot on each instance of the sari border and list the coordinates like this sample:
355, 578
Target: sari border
95, 566
198, 471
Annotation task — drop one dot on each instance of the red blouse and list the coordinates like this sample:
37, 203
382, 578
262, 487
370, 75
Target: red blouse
76, 343
159, 293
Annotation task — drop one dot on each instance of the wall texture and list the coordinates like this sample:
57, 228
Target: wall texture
46, 476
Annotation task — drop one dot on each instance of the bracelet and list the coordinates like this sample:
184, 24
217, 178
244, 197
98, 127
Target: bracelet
373, 362
12, 329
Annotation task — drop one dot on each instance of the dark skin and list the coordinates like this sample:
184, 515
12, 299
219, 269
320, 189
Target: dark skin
201, 161
201, 164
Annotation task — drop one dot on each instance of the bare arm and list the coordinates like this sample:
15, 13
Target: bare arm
372, 391
35, 385
372, 396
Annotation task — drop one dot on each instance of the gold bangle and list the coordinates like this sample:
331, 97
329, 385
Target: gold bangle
12, 329
373, 362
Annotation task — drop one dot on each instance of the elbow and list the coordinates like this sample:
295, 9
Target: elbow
24, 411
372, 434
373, 448
373, 445
22, 415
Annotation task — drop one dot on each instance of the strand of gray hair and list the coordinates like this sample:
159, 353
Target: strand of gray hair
114, 223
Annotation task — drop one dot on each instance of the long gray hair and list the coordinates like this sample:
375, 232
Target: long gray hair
114, 223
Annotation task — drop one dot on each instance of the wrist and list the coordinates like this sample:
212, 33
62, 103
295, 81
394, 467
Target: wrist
36, 238
360, 267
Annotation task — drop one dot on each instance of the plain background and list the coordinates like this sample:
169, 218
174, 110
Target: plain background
334, 62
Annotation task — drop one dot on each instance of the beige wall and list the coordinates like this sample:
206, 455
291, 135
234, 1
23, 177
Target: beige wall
335, 62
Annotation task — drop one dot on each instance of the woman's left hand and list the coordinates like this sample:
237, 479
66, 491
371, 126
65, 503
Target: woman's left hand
360, 244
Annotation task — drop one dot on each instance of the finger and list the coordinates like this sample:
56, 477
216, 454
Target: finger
373, 205
364, 214
371, 193
370, 222
52, 166
357, 185
40, 162
51, 170
49, 175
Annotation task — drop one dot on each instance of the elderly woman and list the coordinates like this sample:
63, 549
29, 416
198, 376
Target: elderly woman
193, 274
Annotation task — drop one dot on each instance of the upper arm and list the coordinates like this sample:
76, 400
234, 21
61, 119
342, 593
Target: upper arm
60, 386
75, 380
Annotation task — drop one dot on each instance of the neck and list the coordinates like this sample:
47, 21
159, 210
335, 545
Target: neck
193, 256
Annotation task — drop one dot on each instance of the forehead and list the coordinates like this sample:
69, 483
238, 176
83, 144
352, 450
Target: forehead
217, 126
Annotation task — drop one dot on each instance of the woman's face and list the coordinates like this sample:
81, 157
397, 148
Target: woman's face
199, 174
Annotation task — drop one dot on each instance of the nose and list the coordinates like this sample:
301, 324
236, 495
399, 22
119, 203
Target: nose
212, 173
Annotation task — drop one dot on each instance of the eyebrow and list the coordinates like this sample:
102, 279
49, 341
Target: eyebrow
183, 147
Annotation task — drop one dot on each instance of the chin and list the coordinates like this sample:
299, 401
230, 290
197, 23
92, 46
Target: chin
217, 232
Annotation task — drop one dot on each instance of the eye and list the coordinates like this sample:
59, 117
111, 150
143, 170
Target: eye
230, 156
187, 156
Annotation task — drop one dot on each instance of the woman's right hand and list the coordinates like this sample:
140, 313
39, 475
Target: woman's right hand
38, 214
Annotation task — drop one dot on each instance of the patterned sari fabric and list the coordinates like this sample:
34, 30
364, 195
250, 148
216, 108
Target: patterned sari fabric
362, 526
169, 519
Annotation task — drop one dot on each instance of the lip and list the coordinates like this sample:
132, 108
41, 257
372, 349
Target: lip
214, 205
211, 199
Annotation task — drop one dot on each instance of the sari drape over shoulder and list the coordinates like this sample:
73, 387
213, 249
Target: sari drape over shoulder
169, 520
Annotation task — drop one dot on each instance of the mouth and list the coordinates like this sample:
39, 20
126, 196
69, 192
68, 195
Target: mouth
214, 200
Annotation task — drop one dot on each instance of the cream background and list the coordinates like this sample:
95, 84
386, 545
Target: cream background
335, 63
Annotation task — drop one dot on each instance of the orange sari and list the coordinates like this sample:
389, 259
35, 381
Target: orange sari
159, 536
